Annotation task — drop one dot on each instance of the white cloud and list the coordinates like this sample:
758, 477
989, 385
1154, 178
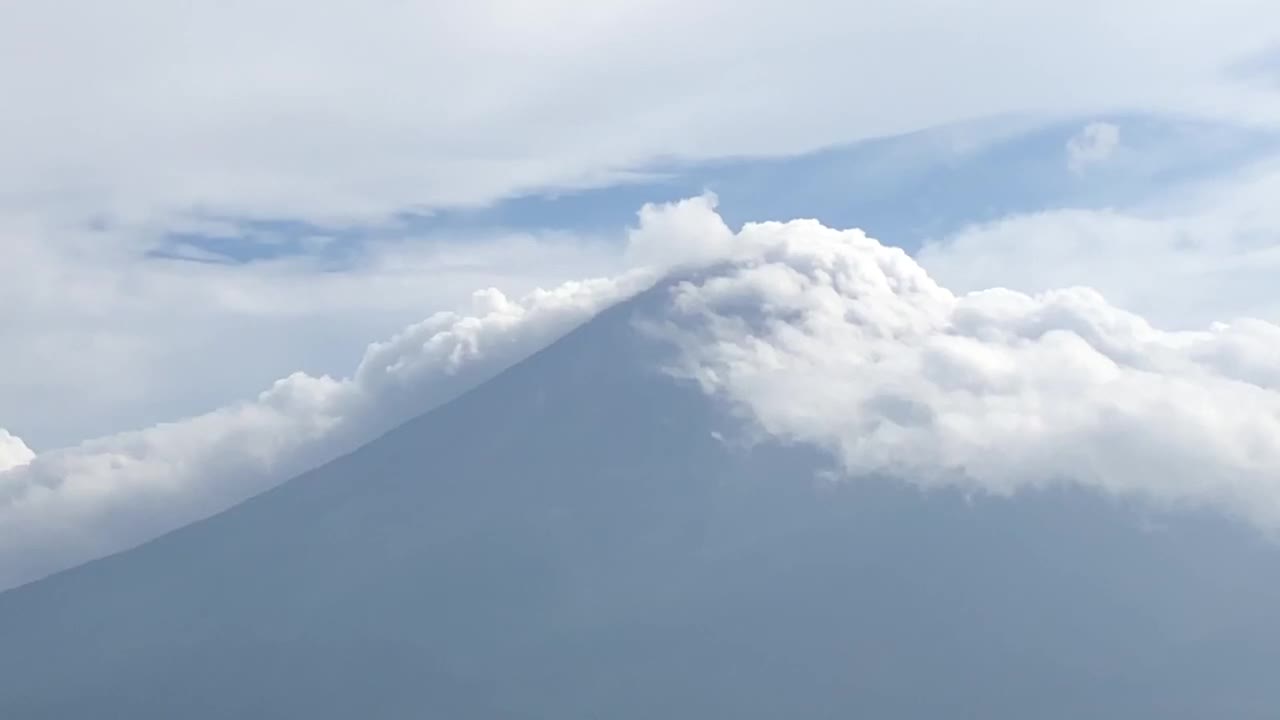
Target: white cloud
1093, 145
150, 108
101, 338
684, 233
13, 452
1195, 255
828, 337
67, 506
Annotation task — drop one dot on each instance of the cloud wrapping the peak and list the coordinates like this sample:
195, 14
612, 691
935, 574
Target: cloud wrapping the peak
829, 337
111, 336
71, 505
13, 451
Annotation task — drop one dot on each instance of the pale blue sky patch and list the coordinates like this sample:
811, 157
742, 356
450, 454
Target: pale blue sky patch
901, 189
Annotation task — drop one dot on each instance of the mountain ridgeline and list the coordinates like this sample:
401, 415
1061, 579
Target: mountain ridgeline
585, 536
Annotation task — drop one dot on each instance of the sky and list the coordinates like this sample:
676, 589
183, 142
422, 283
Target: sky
236, 239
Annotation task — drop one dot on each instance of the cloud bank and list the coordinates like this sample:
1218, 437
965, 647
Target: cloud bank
828, 337
814, 334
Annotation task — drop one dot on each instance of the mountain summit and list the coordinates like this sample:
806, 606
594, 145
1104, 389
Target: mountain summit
589, 536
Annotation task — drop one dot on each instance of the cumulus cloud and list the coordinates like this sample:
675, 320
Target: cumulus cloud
828, 337
687, 233
1093, 145
13, 452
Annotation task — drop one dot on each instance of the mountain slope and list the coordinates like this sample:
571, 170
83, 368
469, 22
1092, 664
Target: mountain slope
570, 540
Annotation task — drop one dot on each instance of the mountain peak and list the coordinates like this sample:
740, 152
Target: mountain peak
587, 534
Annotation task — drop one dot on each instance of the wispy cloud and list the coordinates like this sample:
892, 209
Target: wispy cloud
149, 109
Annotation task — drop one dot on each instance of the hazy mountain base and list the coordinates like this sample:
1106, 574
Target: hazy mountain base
571, 541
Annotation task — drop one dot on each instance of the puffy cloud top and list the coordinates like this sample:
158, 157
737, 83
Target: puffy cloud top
829, 337
13, 452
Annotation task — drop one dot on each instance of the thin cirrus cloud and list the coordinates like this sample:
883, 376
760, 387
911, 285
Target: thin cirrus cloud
133, 111
815, 334
1203, 253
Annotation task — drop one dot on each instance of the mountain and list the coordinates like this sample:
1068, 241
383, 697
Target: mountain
585, 536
